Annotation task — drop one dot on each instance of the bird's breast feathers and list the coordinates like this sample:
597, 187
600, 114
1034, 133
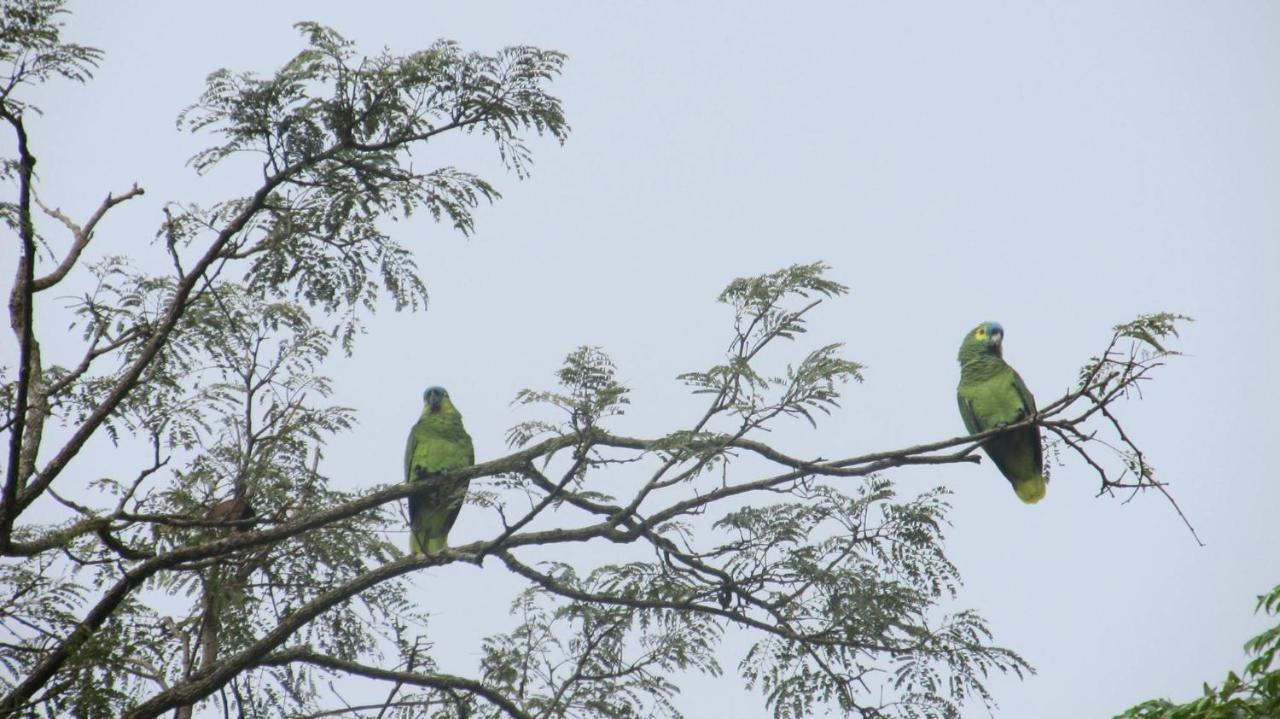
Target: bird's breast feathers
994, 401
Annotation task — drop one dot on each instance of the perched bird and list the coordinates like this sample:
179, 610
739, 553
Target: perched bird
235, 509
992, 395
437, 443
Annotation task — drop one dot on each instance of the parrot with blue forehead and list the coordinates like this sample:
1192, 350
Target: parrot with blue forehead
437, 443
992, 395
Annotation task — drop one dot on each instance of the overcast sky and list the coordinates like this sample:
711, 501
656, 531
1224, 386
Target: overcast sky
1057, 167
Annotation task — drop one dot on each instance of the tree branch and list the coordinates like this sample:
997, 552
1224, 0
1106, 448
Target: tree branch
431, 681
81, 235
130, 376
20, 319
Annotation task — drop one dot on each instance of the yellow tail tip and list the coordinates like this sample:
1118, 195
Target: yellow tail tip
1032, 490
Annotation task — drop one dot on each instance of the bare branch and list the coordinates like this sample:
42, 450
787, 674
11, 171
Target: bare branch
430, 681
82, 236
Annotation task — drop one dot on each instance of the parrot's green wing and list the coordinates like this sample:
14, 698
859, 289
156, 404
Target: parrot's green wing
1027, 402
966, 414
1028, 409
409, 449
1017, 454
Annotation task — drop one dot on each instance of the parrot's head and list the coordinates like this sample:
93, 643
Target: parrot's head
983, 339
435, 397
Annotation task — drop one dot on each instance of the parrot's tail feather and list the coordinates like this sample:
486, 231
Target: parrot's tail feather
1030, 490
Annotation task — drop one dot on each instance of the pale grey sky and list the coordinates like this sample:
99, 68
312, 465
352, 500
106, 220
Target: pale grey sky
1059, 167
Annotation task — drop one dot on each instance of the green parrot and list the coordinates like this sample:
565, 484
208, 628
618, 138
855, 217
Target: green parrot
437, 443
992, 395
